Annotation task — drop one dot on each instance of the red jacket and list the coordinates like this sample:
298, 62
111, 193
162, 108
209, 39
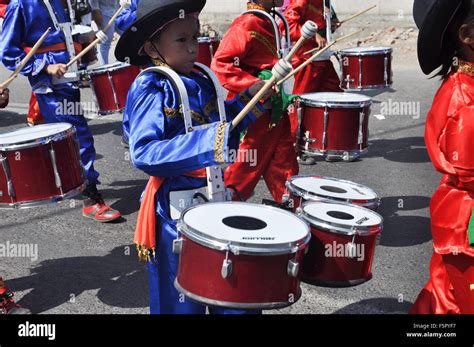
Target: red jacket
247, 48
3, 7
449, 138
297, 13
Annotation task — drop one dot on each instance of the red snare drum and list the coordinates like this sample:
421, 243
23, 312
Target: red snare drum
240, 255
207, 47
342, 244
302, 189
110, 84
39, 165
84, 35
333, 125
366, 68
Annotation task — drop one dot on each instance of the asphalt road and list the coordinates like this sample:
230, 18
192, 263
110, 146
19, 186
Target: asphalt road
85, 267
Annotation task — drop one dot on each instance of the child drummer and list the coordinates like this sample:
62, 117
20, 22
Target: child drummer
25, 21
446, 41
165, 34
246, 50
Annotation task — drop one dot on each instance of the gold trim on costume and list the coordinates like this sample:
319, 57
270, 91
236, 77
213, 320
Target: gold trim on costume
264, 41
466, 67
255, 110
254, 6
159, 62
219, 143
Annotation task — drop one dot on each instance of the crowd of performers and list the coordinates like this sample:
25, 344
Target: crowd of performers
155, 33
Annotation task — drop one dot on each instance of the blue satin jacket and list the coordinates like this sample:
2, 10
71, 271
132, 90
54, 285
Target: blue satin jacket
25, 22
159, 144
127, 16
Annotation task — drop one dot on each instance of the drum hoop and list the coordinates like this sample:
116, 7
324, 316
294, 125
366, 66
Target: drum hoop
384, 51
235, 305
37, 203
306, 195
40, 141
111, 68
340, 228
242, 247
332, 104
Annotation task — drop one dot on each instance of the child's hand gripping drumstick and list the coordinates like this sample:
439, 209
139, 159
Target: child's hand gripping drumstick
279, 71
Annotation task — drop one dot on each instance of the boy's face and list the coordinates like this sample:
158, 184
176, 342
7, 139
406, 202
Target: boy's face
268, 4
178, 44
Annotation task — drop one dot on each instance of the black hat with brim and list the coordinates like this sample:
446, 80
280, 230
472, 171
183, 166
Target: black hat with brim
151, 15
433, 18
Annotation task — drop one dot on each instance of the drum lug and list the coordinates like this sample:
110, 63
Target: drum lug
226, 270
6, 170
293, 268
177, 245
57, 178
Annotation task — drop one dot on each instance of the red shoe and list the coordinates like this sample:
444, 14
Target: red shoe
99, 211
8, 306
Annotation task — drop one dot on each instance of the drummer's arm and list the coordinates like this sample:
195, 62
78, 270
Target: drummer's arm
12, 38
459, 145
157, 155
229, 58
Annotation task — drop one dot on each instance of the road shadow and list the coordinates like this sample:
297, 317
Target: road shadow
404, 150
376, 306
128, 197
120, 278
99, 127
401, 230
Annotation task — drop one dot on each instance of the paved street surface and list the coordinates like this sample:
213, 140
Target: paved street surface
85, 267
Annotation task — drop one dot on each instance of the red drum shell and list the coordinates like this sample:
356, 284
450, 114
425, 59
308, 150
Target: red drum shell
256, 282
338, 271
265, 246
342, 128
32, 174
376, 67
111, 84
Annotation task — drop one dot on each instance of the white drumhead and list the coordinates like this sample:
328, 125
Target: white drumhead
244, 223
31, 134
366, 50
335, 98
341, 215
334, 188
81, 29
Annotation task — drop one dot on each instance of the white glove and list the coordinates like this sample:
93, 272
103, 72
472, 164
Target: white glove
125, 3
101, 36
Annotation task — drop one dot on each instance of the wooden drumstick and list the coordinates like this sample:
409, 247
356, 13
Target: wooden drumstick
97, 40
25, 60
335, 41
279, 71
308, 31
310, 60
357, 14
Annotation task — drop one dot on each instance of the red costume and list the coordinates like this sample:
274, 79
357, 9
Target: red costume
247, 48
450, 140
319, 76
3, 7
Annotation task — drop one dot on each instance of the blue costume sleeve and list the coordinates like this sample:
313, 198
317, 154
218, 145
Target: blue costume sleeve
234, 106
159, 150
127, 17
12, 38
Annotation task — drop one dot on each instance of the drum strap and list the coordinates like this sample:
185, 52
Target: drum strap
145, 232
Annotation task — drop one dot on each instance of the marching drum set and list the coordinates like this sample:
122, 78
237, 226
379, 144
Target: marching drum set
237, 254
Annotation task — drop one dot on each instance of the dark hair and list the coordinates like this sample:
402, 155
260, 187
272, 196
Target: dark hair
451, 44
